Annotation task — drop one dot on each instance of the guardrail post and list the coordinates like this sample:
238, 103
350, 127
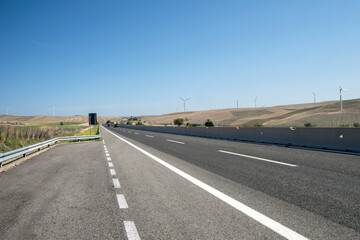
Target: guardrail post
0, 164
24, 155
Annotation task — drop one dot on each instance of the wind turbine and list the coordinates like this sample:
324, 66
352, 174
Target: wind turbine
7, 110
341, 89
185, 100
314, 96
255, 101
237, 103
53, 109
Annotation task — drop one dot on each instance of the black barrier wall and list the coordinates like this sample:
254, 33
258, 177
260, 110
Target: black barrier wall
341, 139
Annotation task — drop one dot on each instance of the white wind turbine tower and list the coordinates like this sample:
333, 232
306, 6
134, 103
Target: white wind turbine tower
53, 109
341, 89
314, 96
185, 100
237, 103
7, 110
255, 101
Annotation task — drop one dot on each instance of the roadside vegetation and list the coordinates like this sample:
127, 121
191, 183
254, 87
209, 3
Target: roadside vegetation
14, 136
179, 121
94, 131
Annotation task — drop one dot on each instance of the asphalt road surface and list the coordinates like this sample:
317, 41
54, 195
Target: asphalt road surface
146, 185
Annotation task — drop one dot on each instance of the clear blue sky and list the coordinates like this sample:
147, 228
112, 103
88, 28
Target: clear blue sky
138, 57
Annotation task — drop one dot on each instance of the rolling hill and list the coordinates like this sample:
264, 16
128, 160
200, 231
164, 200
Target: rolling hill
322, 114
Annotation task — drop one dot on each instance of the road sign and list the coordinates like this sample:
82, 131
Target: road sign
92, 119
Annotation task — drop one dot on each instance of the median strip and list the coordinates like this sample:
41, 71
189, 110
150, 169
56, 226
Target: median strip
257, 158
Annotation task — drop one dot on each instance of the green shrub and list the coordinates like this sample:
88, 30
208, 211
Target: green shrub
139, 123
344, 125
8, 142
356, 124
309, 125
179, 121
209, 123
3, 148
129, 123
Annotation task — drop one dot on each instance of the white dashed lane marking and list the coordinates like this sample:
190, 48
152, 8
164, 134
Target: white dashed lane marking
109, 158
112, 172
169, 140
111, 164
257, 158
116, 183
131, 230
108, 155
149, 136
137, 133
122, 202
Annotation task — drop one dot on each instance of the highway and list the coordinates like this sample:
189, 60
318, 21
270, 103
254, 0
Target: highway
146, 185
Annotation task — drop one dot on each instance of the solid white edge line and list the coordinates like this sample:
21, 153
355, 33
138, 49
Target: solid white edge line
112, 172
257, 158
111, 164
149, 136
122, 202
131, 230
257, 216
108, 158
169, 140
116, 183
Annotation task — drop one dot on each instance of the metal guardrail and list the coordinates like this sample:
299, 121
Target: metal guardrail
38, 146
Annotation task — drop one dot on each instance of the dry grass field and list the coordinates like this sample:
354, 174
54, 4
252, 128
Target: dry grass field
20, 131
42, 119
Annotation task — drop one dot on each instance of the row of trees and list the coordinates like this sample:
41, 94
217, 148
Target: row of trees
180, 121
129, 122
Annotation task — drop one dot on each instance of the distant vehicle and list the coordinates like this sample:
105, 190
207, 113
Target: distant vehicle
116, 125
